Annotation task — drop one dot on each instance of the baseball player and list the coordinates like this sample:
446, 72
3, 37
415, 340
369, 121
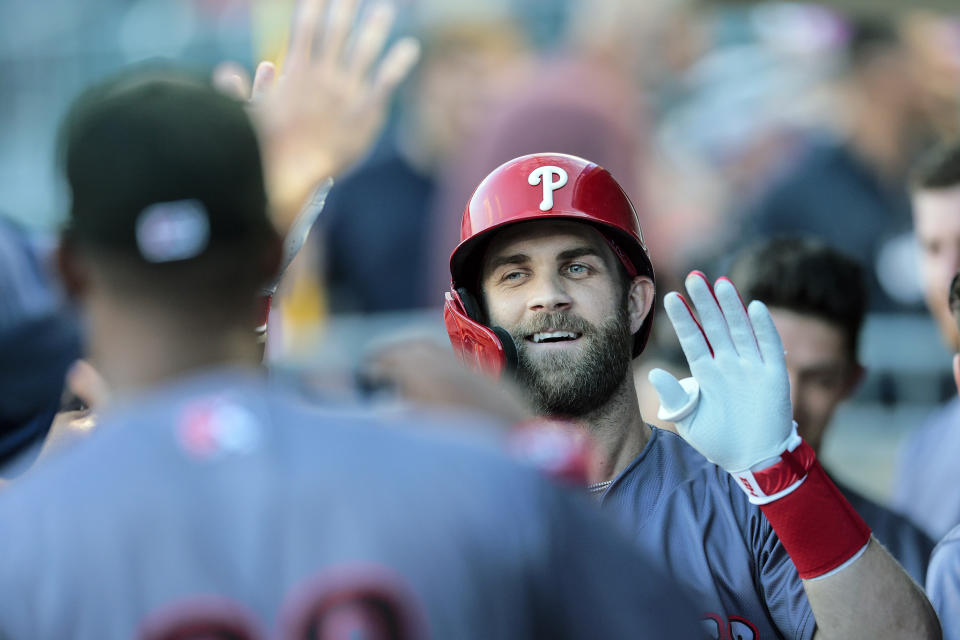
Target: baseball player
211, 502
943, 576
817, 298
927, 458
552, 282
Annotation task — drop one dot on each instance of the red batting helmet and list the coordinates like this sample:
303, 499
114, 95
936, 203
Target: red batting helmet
536, 187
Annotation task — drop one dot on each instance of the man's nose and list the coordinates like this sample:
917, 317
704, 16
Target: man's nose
549, 294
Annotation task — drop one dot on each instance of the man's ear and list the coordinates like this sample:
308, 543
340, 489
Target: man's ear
73, 272
640, 301
956, 371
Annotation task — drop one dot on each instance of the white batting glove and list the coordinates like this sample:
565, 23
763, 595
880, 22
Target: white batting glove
735, 410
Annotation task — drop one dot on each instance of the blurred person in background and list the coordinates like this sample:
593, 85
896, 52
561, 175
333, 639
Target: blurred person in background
927, 461
735, 117
584, 96
39, 342
943, 578
377, 216
817, 298
933, 43
205, 479
850, 190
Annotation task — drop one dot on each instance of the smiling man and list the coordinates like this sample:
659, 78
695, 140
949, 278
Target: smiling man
550, 344
552, 281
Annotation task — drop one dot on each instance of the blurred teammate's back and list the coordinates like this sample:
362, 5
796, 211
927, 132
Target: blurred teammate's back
219, 484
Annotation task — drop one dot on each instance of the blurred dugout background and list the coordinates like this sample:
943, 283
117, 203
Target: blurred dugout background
698, 108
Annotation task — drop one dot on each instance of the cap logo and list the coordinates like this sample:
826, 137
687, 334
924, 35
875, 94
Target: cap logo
546, 176
170, 231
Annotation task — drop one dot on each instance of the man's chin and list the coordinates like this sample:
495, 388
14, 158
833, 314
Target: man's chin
554, 368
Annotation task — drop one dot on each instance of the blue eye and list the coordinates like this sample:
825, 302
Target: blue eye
578, 269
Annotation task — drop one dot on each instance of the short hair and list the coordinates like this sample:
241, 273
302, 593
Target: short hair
954, 298
806, 276
939, 168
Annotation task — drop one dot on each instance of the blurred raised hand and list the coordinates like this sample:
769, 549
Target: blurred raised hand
426, 374
327, 106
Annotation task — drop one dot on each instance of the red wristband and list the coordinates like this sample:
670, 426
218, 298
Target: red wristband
816, 525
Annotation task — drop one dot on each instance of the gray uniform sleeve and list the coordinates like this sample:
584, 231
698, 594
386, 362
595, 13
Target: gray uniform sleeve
943, 584
595, 583
779, 583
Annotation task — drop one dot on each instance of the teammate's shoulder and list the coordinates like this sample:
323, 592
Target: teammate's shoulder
945, 560
952, 539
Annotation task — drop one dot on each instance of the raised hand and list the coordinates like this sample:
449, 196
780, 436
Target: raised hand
429, 375
329, 102
736, 408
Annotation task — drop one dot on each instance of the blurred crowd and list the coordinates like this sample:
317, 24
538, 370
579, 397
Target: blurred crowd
725, 124
809, 153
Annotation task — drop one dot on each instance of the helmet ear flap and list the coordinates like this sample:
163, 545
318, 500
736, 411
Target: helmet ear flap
470, 305
488, 350
510, 355
475, 312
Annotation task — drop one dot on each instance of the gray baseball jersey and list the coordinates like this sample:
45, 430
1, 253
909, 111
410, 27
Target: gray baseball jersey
688, 513
221, 484
926, 471
943, 583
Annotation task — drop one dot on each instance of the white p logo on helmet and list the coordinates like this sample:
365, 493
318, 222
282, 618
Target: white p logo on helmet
546, 176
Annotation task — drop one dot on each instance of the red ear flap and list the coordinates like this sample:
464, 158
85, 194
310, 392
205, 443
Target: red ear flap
476, 345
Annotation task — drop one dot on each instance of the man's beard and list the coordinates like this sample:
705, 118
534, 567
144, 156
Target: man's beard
575, 385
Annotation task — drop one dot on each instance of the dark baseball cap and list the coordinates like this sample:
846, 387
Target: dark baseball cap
163, 167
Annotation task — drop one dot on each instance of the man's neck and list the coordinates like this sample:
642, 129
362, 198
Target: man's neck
618, 431
136, 353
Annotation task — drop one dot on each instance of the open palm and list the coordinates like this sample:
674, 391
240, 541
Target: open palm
330, 102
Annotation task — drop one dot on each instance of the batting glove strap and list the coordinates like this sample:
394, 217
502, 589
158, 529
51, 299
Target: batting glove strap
780, 479
816, 525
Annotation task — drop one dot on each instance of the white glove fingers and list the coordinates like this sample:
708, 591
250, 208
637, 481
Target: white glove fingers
712, 321
768, 340
741, 329
692, 339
